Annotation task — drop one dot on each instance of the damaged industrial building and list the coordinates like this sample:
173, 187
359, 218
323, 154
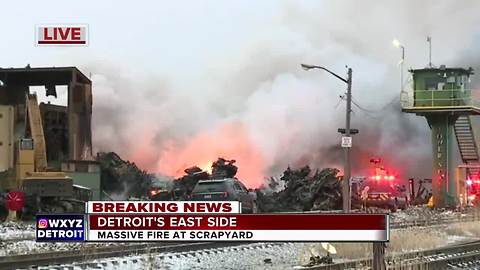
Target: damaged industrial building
46, 149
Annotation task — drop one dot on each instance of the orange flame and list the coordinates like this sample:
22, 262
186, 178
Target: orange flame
230, 141
207, 167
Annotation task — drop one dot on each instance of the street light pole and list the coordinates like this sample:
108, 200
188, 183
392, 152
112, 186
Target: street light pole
401, 67
397, 44
347, 169
346, 199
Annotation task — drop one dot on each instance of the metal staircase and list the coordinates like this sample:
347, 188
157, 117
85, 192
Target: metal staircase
466, 143
36, 129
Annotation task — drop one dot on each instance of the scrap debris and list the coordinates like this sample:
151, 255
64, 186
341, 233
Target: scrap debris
123, 177
183, 186
303, 191
297, 190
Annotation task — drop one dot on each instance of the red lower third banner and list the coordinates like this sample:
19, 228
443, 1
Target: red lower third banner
239, 227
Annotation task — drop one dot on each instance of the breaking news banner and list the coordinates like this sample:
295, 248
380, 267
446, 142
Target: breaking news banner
205, 221
60, 228
238, 227
179, 207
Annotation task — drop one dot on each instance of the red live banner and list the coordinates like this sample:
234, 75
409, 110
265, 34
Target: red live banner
238, 227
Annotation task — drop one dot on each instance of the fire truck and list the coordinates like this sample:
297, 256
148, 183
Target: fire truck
381, 189
468, 181
473, 192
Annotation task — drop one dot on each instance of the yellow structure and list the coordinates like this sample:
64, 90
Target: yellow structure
25, 162
430, 202
36, 129
6, 137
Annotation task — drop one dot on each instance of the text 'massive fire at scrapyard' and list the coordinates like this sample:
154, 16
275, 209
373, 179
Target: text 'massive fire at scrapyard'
205, 220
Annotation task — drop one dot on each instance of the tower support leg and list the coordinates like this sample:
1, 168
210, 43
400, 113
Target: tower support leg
444, 188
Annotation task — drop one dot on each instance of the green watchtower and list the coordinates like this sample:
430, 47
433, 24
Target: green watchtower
443, 96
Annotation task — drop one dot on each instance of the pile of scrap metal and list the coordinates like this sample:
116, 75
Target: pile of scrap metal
223, 168
303, 191
122, 179
184, 185
423, 192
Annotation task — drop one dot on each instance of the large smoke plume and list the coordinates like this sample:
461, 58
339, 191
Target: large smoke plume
253, 103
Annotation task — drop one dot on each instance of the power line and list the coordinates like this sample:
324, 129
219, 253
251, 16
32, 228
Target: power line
386, 106
368, 114
363, 109
341, 98
374, 114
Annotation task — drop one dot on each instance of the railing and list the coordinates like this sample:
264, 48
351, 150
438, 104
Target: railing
438, 98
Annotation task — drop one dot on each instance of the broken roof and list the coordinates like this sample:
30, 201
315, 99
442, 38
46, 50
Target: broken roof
42, 75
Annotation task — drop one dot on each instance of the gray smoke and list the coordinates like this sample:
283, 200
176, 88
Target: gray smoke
291, 116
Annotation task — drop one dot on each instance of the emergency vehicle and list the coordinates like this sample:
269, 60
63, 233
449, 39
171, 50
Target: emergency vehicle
381, 189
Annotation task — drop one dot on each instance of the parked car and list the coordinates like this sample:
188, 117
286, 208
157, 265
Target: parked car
228, 189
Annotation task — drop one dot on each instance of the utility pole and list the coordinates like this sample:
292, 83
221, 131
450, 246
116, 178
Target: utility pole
347, 144
347, 166
378, 262
429, 40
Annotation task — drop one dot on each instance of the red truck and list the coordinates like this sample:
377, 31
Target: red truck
381, 189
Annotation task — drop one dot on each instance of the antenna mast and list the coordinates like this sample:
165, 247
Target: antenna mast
429, 40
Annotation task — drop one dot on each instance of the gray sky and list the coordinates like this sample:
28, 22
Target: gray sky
144, 35
200, 76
